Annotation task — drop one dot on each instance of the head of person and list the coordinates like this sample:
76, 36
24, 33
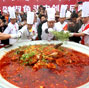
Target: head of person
57, 16
5, 13
85, 12
85, 17
17, 12
85, 20
74, 16
41, 12
40, 7
51, 20
51, 17
29, 26
13, 20
51, 24
62, 19
30, 19
42, 18
21, 13
79, 13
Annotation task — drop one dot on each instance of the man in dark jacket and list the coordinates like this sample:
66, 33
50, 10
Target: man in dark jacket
74, 26
43, 19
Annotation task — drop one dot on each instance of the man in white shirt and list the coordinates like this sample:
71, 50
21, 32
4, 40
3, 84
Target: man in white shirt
28, 32
62, 25
84, 30
12, 27
49, 25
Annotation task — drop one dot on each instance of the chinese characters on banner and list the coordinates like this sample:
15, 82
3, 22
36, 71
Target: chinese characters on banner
29, 5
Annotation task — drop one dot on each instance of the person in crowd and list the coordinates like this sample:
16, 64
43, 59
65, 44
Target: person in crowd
57, 16
49, 25
43, 19
5, 16
41, 10
84, 30
74, 26
79, 19
18, 17
23, 20
28, 32
23, 15
12, 27
62, 25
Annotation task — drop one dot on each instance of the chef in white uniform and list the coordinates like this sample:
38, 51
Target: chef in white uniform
49, 25
12, 27
62, 25
84, 30
29, 31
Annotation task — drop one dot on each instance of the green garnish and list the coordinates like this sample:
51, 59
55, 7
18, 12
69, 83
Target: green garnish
61, 35
30, 60
17, 52
44, 60
27, 56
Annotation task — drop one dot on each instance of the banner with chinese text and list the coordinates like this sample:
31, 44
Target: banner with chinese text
26, 5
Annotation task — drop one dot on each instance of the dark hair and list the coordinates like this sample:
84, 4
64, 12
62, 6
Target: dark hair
44, 8
41, 6
4, 20
74, 15
42, 16
80, 2
2, 17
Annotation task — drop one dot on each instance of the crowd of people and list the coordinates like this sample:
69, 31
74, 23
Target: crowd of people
35, 25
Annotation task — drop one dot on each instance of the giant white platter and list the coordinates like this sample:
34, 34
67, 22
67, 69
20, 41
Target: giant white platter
75, 46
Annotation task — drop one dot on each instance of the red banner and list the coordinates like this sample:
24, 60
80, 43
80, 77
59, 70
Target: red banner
26, 5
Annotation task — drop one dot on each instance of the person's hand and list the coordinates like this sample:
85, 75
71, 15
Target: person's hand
78, 19
71, 34
66, 31
50, 30
71, 24
2, 24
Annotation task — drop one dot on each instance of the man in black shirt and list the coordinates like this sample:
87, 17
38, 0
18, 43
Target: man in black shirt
74, 26
2, 28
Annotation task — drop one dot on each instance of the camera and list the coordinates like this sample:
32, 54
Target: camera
80, 2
